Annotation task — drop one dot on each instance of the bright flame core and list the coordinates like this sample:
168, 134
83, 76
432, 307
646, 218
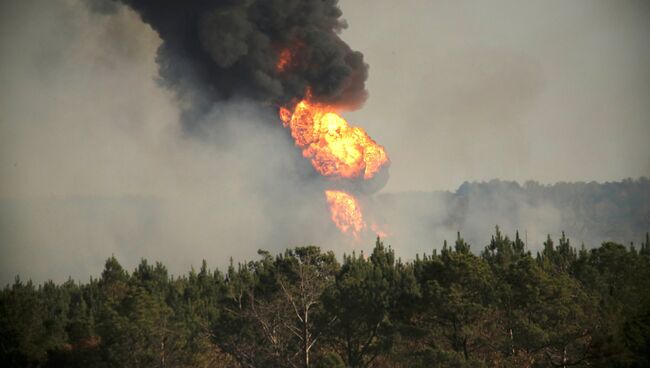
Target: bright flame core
346, 212
336, 150
334, 147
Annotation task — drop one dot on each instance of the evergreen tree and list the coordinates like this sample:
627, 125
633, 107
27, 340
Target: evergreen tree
301, 308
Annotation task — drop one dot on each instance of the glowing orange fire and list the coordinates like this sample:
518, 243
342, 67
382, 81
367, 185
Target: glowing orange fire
346, 212
284, 60
334, 147
336, 150
380, 230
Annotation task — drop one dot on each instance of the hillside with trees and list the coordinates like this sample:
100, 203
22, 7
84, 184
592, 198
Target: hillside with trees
497, 305
588, 213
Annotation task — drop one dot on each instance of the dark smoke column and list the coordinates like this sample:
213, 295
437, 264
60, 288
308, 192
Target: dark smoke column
216, 50
285, 55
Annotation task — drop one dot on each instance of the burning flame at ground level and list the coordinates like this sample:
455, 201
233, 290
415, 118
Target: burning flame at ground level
333, 146
337, 150
346, 212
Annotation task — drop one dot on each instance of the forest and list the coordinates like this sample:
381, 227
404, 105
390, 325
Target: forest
588, 212
499, 306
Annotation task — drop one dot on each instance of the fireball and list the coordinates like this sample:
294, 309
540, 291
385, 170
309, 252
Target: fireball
346, 212
335, 148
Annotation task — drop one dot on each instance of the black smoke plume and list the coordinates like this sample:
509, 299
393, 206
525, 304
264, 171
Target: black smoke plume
223, 49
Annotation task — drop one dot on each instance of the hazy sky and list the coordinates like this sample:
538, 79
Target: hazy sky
93, 161
474, 90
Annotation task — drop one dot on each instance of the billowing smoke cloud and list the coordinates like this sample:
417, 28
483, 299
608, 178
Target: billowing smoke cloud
94, 162
219, 50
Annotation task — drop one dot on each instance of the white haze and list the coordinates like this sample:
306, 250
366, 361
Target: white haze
516, 90
94, 162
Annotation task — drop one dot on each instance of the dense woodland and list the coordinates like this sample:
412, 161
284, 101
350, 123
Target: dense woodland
588, 212
499, 306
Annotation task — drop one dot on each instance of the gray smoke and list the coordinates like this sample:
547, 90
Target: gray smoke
94, 161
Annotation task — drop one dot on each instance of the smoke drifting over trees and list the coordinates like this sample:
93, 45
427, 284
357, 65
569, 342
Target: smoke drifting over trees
589, 213
93, 161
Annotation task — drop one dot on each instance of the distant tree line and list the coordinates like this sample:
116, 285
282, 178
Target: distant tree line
502, 307
589, 211
592, 211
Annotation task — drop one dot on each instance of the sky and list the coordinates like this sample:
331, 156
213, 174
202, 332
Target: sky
93, 160
520, 90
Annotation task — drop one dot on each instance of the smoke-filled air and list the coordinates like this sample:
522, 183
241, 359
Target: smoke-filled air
448, 154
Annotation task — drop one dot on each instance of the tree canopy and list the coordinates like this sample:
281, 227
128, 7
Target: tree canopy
501, 306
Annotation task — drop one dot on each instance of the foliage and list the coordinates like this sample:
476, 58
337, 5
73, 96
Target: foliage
501, 307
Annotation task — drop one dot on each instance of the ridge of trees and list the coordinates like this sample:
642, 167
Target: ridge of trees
499, 307
588, 211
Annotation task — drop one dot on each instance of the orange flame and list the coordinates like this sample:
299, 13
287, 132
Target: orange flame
380, 230
334, 147
346, 212
284, 60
